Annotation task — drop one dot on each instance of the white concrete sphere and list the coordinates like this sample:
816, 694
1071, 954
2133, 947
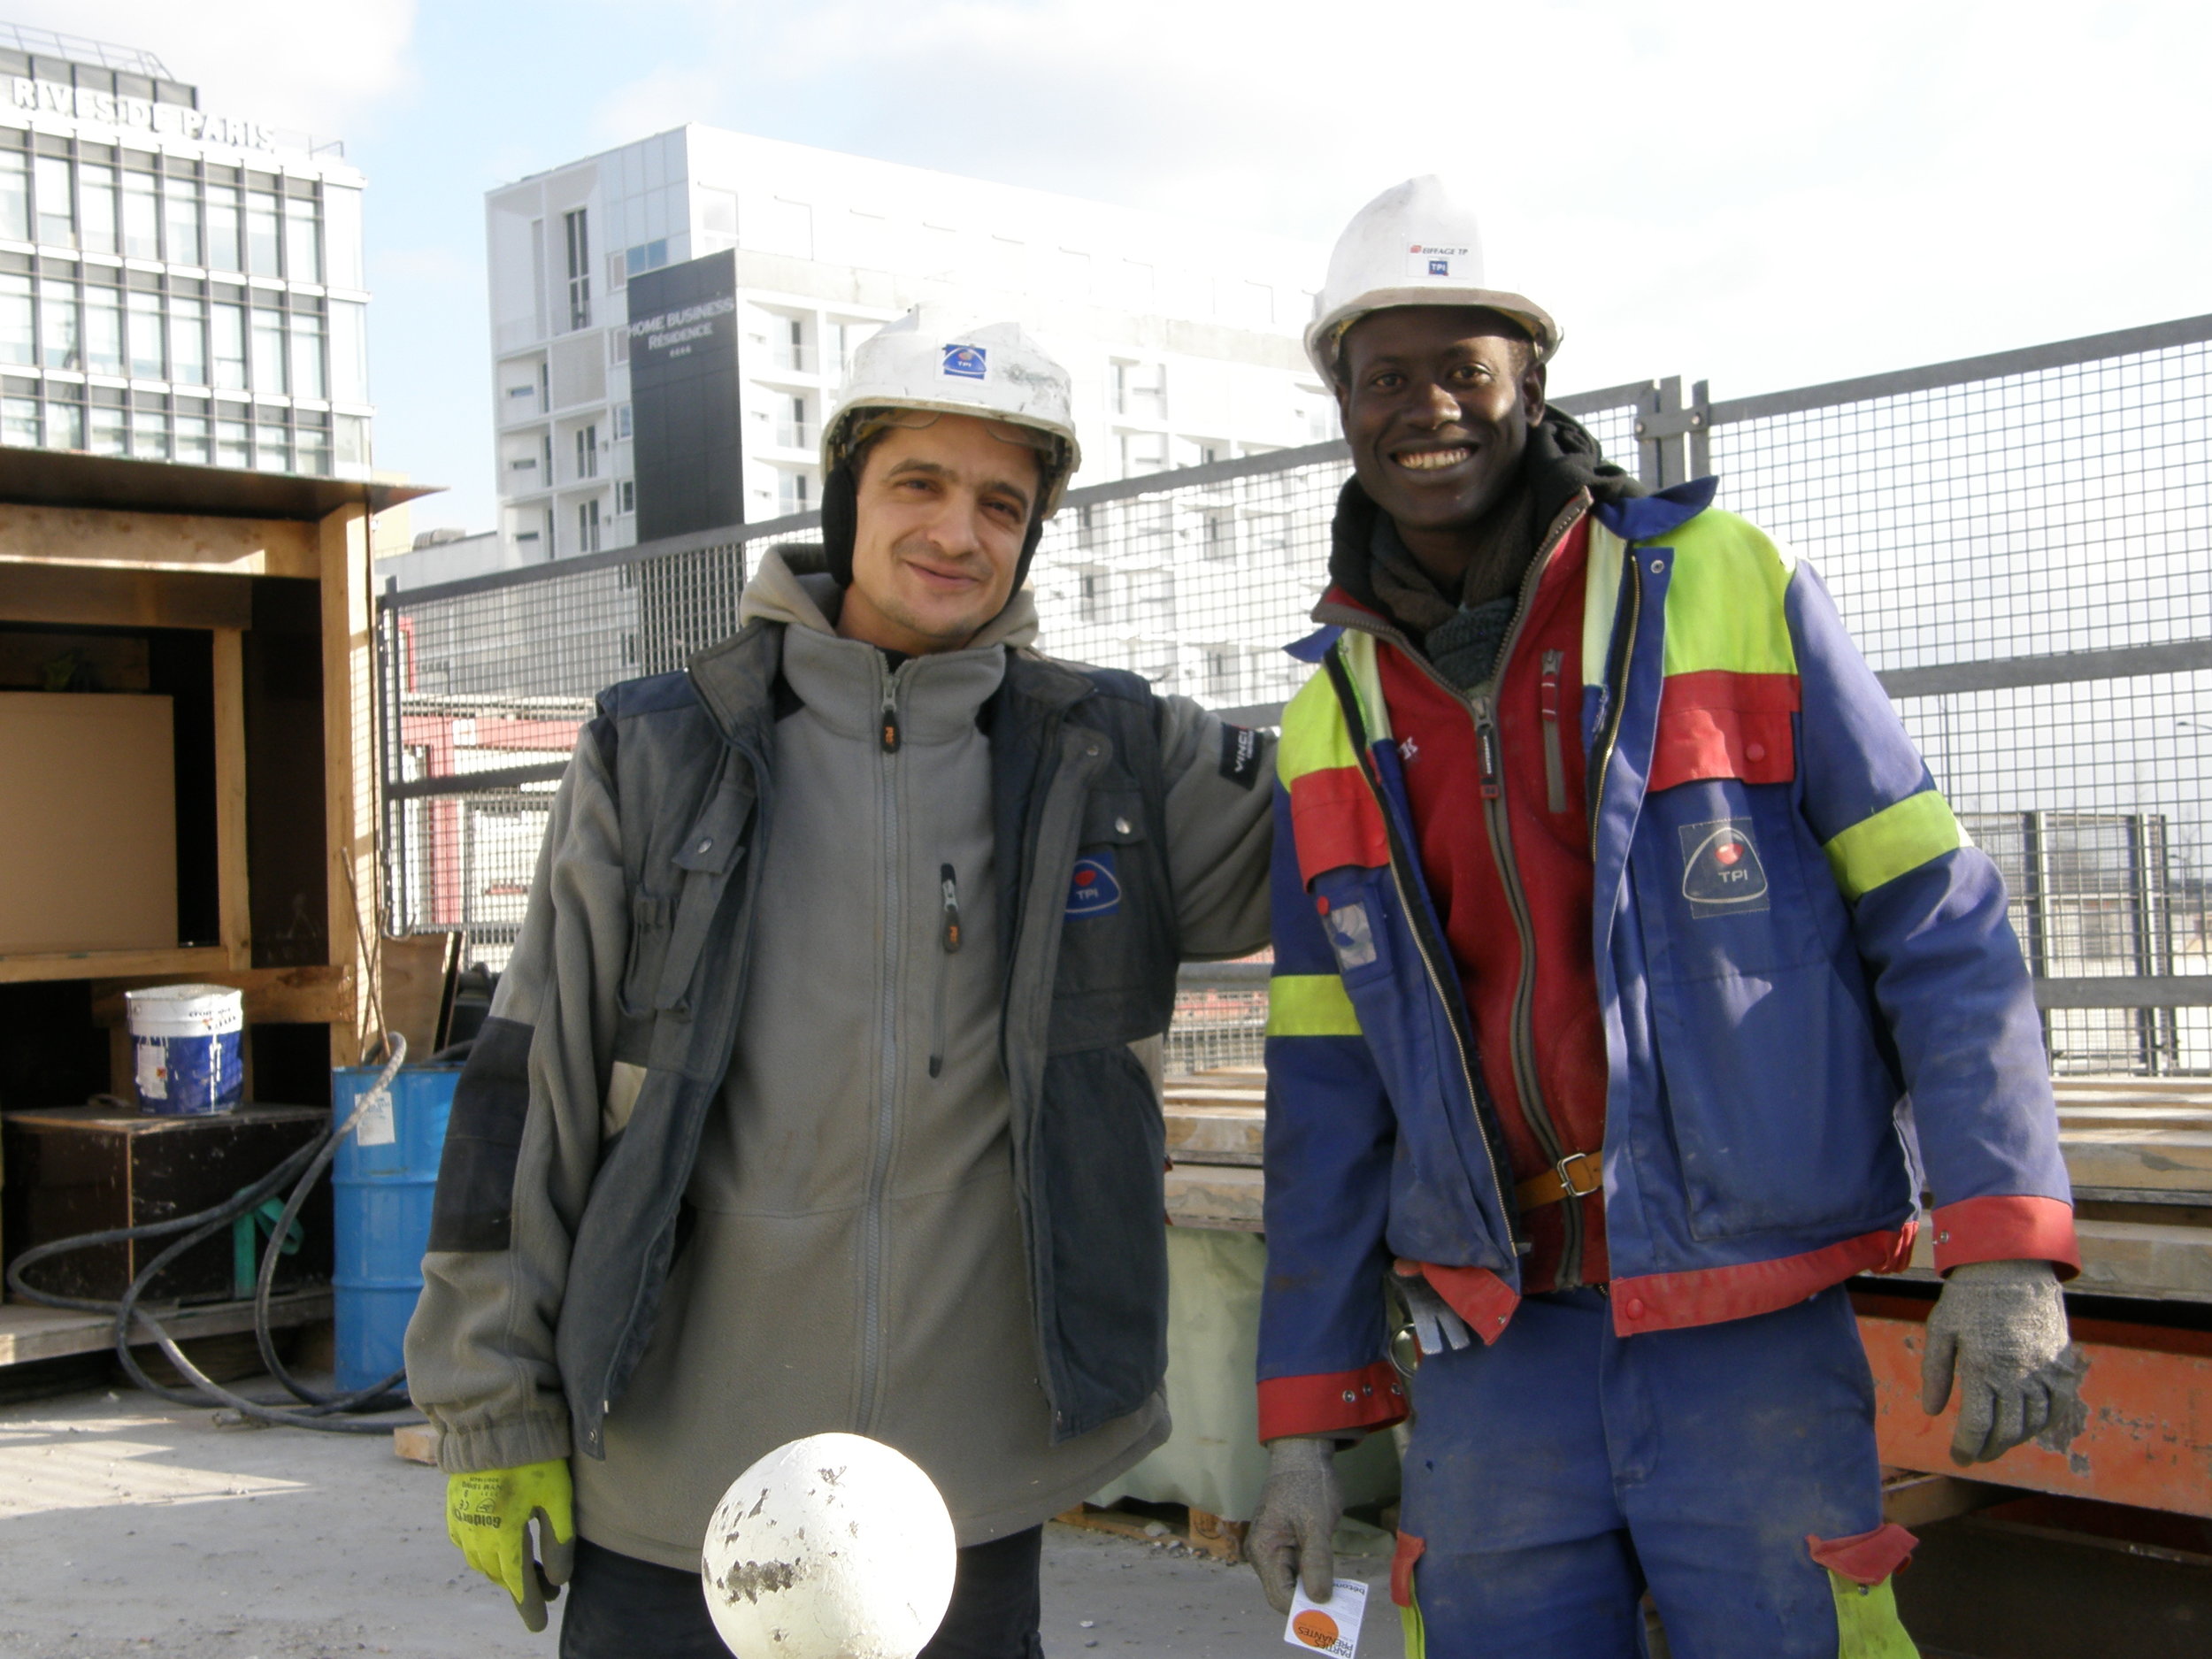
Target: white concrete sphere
834, 1547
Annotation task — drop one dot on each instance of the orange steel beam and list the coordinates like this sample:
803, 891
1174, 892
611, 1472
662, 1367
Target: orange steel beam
2148, 1391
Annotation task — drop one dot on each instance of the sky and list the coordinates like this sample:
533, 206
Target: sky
1761, 195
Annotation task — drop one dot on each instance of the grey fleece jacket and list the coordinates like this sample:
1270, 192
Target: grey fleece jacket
854, 1256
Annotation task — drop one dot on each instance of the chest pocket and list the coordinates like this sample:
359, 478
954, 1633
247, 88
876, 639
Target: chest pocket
1116, 926
669, 926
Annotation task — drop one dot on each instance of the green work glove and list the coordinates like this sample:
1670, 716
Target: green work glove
1292, 1535
487, 1516
2001, 1328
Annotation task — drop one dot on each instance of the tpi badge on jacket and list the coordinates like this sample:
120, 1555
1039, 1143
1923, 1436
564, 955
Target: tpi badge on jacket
1721, 871
1095, 889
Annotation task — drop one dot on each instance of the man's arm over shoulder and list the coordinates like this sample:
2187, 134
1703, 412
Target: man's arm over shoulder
1928, 910
522, 1145
1219, 829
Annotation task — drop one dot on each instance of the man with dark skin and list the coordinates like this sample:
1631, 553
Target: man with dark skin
1615, 918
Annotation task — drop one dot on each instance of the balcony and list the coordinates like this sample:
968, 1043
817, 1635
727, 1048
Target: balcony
798, 434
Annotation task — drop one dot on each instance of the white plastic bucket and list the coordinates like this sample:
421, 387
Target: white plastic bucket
185, 1040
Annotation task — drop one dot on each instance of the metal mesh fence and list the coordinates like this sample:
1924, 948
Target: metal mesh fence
2019, 544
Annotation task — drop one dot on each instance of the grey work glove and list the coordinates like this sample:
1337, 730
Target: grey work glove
1291, 1535
2000, 1327
1435, 1326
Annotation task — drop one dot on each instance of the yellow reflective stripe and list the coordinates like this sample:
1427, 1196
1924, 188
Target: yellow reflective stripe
1895, 840
1365, 669
1725, 600
1314, 735
1600, 599
1416, 1635
1310, 1005
1867, 1625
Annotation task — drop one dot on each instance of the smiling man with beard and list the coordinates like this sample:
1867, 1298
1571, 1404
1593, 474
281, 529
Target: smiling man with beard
1616, 917
814, 1096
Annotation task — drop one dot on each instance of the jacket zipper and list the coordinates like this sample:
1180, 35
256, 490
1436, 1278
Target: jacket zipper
1555, 765
872, 1221
1615, 697
948, 939
1521, 1043
1521, 1040
1400, 860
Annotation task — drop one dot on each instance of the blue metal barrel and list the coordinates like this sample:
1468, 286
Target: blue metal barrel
381, 1213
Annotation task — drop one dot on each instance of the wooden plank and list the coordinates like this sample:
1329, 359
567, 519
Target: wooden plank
307, 996
28, 1333
415, 969
2170, 1160
233, 910
1214, 1195
417, 1443
98, 537
2148, 1260
349, 758
123, 598
1213, 1135
188, 962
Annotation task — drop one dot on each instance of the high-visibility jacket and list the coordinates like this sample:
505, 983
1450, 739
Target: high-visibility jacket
1813, 1003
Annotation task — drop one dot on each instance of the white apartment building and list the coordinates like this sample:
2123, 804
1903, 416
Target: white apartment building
174, 284
1182, 338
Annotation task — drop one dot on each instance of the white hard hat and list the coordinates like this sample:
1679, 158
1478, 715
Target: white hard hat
834, 1547
930, 359
1414, 244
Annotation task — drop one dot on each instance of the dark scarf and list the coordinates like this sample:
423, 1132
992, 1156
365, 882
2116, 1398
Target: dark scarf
1461, 633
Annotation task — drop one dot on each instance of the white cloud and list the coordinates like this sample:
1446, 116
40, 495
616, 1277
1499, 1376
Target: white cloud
316, 66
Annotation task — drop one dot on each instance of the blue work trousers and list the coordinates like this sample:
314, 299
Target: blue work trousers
1557, 1474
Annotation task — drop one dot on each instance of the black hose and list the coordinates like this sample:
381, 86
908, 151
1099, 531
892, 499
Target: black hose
301, 1168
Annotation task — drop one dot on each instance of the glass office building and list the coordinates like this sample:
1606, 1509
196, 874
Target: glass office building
174, 284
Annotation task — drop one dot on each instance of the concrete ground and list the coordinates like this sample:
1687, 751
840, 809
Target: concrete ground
131, 1527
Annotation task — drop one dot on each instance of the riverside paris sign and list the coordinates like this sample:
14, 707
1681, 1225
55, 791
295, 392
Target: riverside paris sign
110, 109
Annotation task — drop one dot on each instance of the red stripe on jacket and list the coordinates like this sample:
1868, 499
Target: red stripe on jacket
1336, 822
1718, 724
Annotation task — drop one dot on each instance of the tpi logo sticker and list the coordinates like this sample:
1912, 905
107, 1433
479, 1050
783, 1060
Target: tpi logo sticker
966, 363
1722, 874
1424, 259
1439, 267
1095, 889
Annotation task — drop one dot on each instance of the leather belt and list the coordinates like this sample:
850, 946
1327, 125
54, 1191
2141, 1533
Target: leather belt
1577, 1175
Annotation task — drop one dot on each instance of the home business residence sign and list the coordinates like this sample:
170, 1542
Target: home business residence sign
110, 109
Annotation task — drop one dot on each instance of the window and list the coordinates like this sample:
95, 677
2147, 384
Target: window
618, 345
1093, 600
95, 195
838, 341
180, 207
228, 321
303, 241
110, 433
520, 397
272, 443
342, 237
19, 422
262, 255
617, 272
232, 447
57, 203
625, 496
588, 525
141, 218
150, 434
103, 333
1141, 390
587, 451
61, 345
647, 256
1142, 452
187, 341
621, 421
268, 351
1217, 535
15, 196
1222, 671
308, 379
18, 336
352, 435
314, 446
792, 430
222, 230
792, 494
65, 423
149, 354
579, 234
789, 336
523, 463
192, 440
